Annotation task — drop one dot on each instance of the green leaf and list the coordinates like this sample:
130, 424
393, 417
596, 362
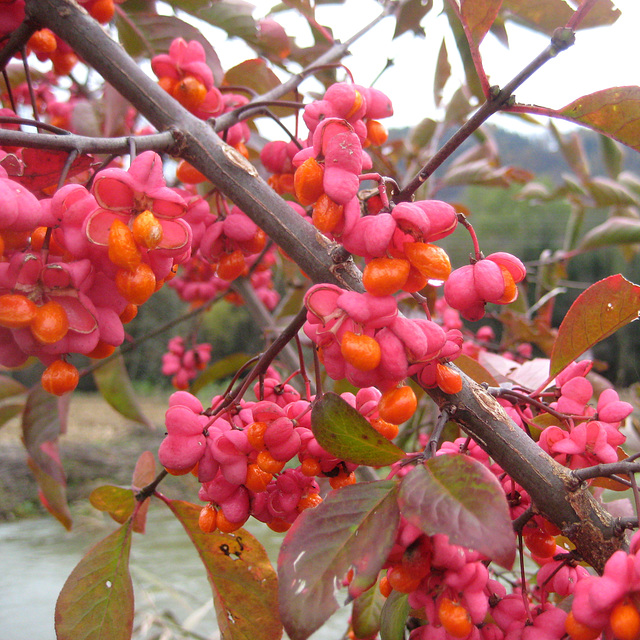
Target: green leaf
96, 601
479, 15
118, 502
365, 617
612, 156
223, 368
10, 387
394, 616
609, 193
616, 230
409, 15
442, 74
8, 411
422, 133
243, 582
354, 527
615, 112
599, 311
345, 433
457, 495
115, 386
232, 16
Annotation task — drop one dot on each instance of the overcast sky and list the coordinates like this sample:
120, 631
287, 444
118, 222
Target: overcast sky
601, 58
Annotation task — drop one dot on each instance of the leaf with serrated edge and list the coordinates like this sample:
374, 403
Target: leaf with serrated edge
458, 496
599, 311
242, 580
345, 433
118, 502
354, 527
115, 386
96, 601
393, 619
614, 112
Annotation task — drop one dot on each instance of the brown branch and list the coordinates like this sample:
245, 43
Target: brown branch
550, 485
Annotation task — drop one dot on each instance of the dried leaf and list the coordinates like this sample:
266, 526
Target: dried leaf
478, 16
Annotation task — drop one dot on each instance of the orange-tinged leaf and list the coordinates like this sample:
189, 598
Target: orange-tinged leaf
614, 112
479, 15
118, 502
244, 584
96, 601
475, 370
602, 309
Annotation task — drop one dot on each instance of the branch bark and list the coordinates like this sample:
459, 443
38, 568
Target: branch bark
551, 486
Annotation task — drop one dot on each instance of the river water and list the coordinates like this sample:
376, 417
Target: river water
171, 588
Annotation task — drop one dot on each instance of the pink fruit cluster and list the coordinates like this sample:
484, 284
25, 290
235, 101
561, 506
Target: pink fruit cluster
405, 345
588, 436
491, 279
184, 364
240, 454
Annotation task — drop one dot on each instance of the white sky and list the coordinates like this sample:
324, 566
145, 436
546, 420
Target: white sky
600, 58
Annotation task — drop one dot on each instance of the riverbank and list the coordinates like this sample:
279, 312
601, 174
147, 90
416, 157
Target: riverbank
100, 447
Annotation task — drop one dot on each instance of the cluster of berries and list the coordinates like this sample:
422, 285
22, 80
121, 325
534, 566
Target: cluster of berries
185, 75
183, 364
77, 265
239, 455
589, 435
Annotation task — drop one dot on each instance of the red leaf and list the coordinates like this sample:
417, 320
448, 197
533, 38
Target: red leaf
602, 309
96, 601
43, 420
354, 527
478, 16
40, 169
457, 495
614, 112
143, 474
52, 494
242, 579
345, 433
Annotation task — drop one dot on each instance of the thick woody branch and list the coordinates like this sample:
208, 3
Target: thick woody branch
552, 487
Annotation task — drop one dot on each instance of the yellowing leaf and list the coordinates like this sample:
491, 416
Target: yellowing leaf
96, 601
614, 112
118, 502
597, 312
242, 579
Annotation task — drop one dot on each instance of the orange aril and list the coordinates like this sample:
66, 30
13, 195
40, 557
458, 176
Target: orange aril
385, 276
397, 404
307, 181
147, 230
327, 214
16, 311
59, 378
430, 259
447, 379
360, 351
138, 285
122, 247
50, 323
